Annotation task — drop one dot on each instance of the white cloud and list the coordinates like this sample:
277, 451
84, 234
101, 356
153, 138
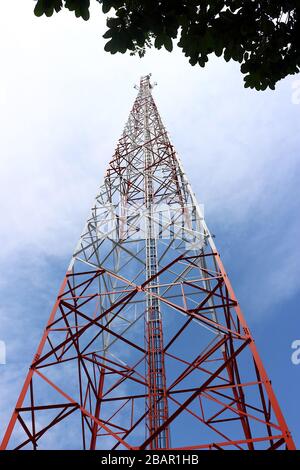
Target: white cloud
64, 102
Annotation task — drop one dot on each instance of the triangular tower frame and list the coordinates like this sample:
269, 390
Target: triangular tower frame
146, 346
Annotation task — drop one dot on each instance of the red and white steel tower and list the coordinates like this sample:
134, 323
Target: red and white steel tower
146, 346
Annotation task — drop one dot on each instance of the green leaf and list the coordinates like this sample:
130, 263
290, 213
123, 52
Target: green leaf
219, 50
108, 46
111, 46
108, 34
47, 7
71, 4
58, 5
39, 8
159, 41
168, 43
85, 14
227, 55
106, 5
49, 11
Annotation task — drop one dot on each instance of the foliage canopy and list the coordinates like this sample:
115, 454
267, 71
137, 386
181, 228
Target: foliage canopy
263, 36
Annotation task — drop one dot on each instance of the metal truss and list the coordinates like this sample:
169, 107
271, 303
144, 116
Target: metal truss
146, 346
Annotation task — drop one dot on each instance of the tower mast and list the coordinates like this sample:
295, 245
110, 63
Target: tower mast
146, 340
157, 399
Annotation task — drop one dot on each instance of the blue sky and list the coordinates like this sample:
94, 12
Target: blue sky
63, 106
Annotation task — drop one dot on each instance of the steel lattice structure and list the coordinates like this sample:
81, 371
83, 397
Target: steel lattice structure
146, 346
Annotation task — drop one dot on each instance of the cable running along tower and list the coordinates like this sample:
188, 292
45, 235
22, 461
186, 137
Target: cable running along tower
146, 346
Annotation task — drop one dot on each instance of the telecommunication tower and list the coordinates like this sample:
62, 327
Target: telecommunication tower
146, 346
